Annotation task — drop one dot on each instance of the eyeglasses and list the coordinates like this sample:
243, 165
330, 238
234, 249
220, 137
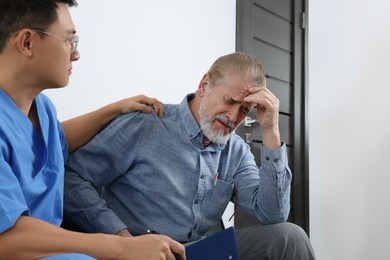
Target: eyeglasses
73, 42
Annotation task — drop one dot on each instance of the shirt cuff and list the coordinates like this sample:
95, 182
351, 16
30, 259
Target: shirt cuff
109, 224
274, 159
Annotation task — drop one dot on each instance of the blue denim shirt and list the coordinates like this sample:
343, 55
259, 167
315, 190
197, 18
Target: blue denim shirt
155, 174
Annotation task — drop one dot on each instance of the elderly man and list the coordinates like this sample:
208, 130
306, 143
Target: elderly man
176, 174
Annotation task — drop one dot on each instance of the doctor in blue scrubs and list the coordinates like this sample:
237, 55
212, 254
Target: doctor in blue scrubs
38, 44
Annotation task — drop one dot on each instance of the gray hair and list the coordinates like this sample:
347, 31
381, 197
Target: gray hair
237, 63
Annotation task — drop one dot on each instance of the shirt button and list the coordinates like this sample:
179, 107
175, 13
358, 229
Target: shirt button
202, 176
196, 201
267, 158
276, 160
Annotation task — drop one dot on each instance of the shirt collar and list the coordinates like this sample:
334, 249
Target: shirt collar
189, 122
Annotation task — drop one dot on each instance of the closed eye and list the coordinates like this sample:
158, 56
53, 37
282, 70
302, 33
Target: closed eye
230, 101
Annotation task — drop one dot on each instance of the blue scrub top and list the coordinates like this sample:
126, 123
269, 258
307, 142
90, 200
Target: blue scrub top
31, 165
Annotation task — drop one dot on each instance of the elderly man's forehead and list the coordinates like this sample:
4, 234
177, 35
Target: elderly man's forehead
243, 90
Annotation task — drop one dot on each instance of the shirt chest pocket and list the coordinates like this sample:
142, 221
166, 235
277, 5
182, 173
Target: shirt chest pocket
216, 199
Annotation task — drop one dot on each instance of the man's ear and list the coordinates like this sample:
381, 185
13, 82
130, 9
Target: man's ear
24, 42
204, 83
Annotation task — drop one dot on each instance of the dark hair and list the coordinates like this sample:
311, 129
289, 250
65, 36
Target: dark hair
18, 14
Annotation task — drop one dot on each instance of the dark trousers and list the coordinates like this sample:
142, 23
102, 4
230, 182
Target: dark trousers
278, 241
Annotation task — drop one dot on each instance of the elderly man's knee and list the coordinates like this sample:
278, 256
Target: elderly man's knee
290, 231
276, 241
294, 241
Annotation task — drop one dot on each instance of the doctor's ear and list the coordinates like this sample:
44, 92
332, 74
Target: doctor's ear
25, 41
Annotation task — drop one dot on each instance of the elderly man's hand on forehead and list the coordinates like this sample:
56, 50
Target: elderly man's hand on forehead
267, 105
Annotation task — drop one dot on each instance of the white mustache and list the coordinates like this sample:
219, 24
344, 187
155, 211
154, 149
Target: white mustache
225, 121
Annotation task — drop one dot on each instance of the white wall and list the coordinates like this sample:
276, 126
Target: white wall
157, 48
349, 92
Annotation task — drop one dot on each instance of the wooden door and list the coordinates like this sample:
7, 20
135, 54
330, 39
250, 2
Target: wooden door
273, 31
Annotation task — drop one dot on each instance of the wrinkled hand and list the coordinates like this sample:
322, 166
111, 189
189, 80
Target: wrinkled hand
140, 103
267, 106
154, 247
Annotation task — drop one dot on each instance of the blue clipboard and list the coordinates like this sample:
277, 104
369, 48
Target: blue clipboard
219, 246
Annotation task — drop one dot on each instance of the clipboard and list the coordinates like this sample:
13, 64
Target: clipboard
219, 246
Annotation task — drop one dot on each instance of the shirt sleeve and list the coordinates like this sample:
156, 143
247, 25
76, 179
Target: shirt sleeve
106, 157
12, 202
266, 192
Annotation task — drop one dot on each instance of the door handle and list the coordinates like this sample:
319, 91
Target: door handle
248, 121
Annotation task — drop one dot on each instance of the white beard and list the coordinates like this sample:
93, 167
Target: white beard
218, 137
